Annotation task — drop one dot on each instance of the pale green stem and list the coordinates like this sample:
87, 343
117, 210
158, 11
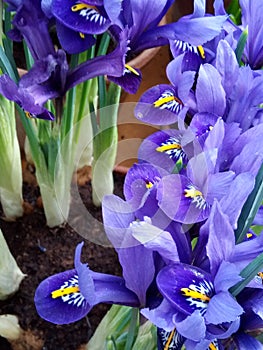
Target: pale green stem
10, 159
111, 328
10, 274
105, 147
132, 329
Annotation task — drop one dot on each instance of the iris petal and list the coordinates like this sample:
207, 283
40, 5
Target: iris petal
80, 17
186, 287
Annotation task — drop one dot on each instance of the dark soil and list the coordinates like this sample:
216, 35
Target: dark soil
40, 252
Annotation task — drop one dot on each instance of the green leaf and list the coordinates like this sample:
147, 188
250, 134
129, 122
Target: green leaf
235, 12
133, 329
241, 46
250, 208
6, 66
248, 273
113, 325
146, 338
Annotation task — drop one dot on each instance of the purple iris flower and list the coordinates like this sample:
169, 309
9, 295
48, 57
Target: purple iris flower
137, 228
196, 301
50, 77
135, 18
251, 321
83, 17
188, 198
252, 19
68, 296
243, 87
24, 99
166, 149
77, 22
119, 220
31, 24
194, 29
195, 55
162, 104
141, 16
140, 185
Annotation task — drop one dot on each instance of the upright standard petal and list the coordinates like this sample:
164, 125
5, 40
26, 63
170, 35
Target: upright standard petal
33, 26
251, 18
210, 97
221, 238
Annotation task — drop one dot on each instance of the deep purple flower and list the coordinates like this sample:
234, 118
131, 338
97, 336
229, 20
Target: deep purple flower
73, 42
77, 22
50, 77
140, 17
130, 79
31, 24
136, 17
68, 296
82, 17
251, 321
24, 99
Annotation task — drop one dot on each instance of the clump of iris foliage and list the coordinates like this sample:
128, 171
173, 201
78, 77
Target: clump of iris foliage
68, 54
188, 233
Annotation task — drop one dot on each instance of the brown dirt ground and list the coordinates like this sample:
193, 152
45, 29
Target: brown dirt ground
25, 238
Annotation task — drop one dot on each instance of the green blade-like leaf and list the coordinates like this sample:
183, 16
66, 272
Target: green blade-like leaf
248, 273
250, 208
235, 12
241, 46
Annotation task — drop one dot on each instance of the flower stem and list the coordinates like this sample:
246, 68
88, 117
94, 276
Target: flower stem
105, 144
132, 329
